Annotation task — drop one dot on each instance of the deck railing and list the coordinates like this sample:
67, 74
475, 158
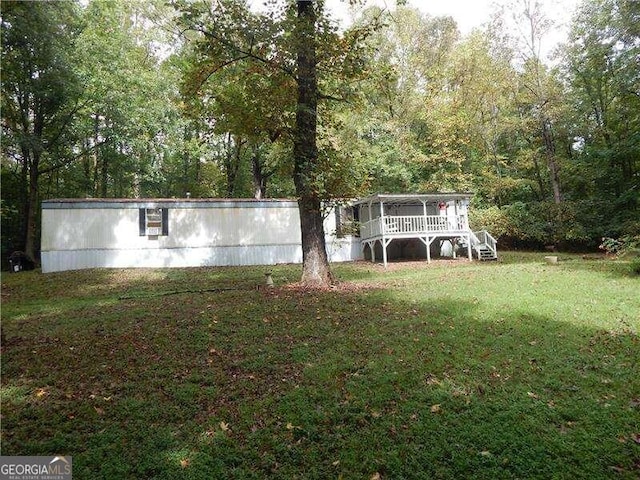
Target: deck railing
413, 225
484, 238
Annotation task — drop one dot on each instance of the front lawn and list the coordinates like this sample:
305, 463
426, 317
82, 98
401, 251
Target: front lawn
511, 369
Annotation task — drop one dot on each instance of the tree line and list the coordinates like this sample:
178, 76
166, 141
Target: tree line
155, 99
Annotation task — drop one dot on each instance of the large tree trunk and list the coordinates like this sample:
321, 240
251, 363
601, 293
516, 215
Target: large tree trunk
550, 150
96, 158
24, 197
232, 162
315, 265
260, 173
104, 175
31, 208
259, 180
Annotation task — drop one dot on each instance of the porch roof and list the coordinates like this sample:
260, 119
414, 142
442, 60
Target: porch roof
412, 198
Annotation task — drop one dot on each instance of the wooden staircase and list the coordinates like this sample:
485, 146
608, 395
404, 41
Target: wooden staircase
484, 246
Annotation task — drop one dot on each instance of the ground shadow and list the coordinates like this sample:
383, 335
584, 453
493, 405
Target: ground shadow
283, 383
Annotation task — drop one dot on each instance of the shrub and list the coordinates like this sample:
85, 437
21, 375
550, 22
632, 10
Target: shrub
569, 225
492, 219
635, 266
626, 245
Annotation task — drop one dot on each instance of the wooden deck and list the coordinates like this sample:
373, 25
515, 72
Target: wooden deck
389, 217
408, 226
426, 228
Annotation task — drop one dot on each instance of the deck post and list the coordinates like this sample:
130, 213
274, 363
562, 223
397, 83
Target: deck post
383, 229
384, 252
427, 243
385, 244
469, 247
424, 213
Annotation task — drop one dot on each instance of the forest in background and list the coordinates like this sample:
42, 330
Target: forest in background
152, 99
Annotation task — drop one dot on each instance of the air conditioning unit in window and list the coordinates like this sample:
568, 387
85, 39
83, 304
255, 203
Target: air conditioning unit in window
153, 222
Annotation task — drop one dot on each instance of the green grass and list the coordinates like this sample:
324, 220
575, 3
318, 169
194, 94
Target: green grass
511, 369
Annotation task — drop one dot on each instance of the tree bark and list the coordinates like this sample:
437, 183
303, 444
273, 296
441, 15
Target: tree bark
104, 175
96, 150
259, 180
31, 208
315, 264
261, 174
232, 162
24, 198
536, 166
550, 150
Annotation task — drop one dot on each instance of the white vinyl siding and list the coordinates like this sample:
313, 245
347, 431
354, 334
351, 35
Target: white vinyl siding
107, 234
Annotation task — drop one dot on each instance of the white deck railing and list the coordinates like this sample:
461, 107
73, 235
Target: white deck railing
484, 238
413, 225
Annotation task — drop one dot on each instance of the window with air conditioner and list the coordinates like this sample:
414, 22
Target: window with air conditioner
154, 222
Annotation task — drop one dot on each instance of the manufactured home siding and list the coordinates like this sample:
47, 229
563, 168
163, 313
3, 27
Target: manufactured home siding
86, 234
55, 261
73, 229
117, 229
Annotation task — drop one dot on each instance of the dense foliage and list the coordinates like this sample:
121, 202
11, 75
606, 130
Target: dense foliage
121, 99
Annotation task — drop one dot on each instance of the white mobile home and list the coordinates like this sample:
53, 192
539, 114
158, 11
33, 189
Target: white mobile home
119, 233
90, 233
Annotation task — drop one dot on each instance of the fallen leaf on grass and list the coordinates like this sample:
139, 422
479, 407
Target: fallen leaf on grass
185, 462
375, 476
431, 380
532, 395
435, 408
224, 427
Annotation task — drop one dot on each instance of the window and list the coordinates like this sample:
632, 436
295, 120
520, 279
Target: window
154, 222
347, 221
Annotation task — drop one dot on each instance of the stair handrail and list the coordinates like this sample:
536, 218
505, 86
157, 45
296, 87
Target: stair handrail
484, 237
492, 243
475, 242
